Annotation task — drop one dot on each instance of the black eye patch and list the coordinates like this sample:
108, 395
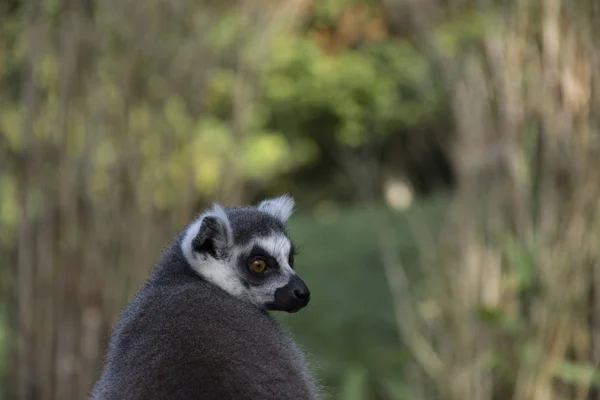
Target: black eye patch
258, 251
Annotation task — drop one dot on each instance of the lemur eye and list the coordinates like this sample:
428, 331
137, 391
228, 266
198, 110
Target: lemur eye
291, 260
258, 266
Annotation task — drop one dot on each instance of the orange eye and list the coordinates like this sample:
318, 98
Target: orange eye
258, 266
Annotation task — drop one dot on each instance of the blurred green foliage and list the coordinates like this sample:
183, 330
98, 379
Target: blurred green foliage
378, 90
311, 104
155, 91
170, 98
349, 326
4, 356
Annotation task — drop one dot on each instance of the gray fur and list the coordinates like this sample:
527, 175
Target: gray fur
184, 337
248, 223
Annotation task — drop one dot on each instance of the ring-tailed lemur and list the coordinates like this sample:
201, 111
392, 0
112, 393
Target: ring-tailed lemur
199, 328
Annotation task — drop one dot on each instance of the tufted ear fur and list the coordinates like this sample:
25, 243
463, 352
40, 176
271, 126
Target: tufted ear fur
211, 234
280, 207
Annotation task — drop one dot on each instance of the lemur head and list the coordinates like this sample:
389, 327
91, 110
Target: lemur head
248, 253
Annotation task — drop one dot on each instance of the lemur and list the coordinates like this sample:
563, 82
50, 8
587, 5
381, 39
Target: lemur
200, 327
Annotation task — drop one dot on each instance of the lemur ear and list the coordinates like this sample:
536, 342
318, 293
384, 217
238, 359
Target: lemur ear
280, 207
211, 234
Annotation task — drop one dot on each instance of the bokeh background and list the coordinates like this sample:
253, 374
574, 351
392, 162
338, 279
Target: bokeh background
444, 156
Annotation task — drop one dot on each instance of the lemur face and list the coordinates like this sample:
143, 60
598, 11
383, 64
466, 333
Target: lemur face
248, 253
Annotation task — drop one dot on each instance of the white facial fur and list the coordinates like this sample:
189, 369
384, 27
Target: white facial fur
213, 270
225, 273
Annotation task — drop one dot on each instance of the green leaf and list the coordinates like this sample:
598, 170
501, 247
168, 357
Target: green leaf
522, 260
265, 154
578, 374
501, 320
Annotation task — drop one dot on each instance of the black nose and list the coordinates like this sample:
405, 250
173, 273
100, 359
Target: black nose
302, 294
292, 297
299, 289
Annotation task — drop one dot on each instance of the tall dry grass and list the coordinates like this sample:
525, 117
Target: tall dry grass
511, 305
91, 217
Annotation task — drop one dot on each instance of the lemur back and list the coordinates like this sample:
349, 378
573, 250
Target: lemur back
185, 337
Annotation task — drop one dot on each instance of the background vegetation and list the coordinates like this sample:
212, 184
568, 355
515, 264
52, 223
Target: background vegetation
443, 154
